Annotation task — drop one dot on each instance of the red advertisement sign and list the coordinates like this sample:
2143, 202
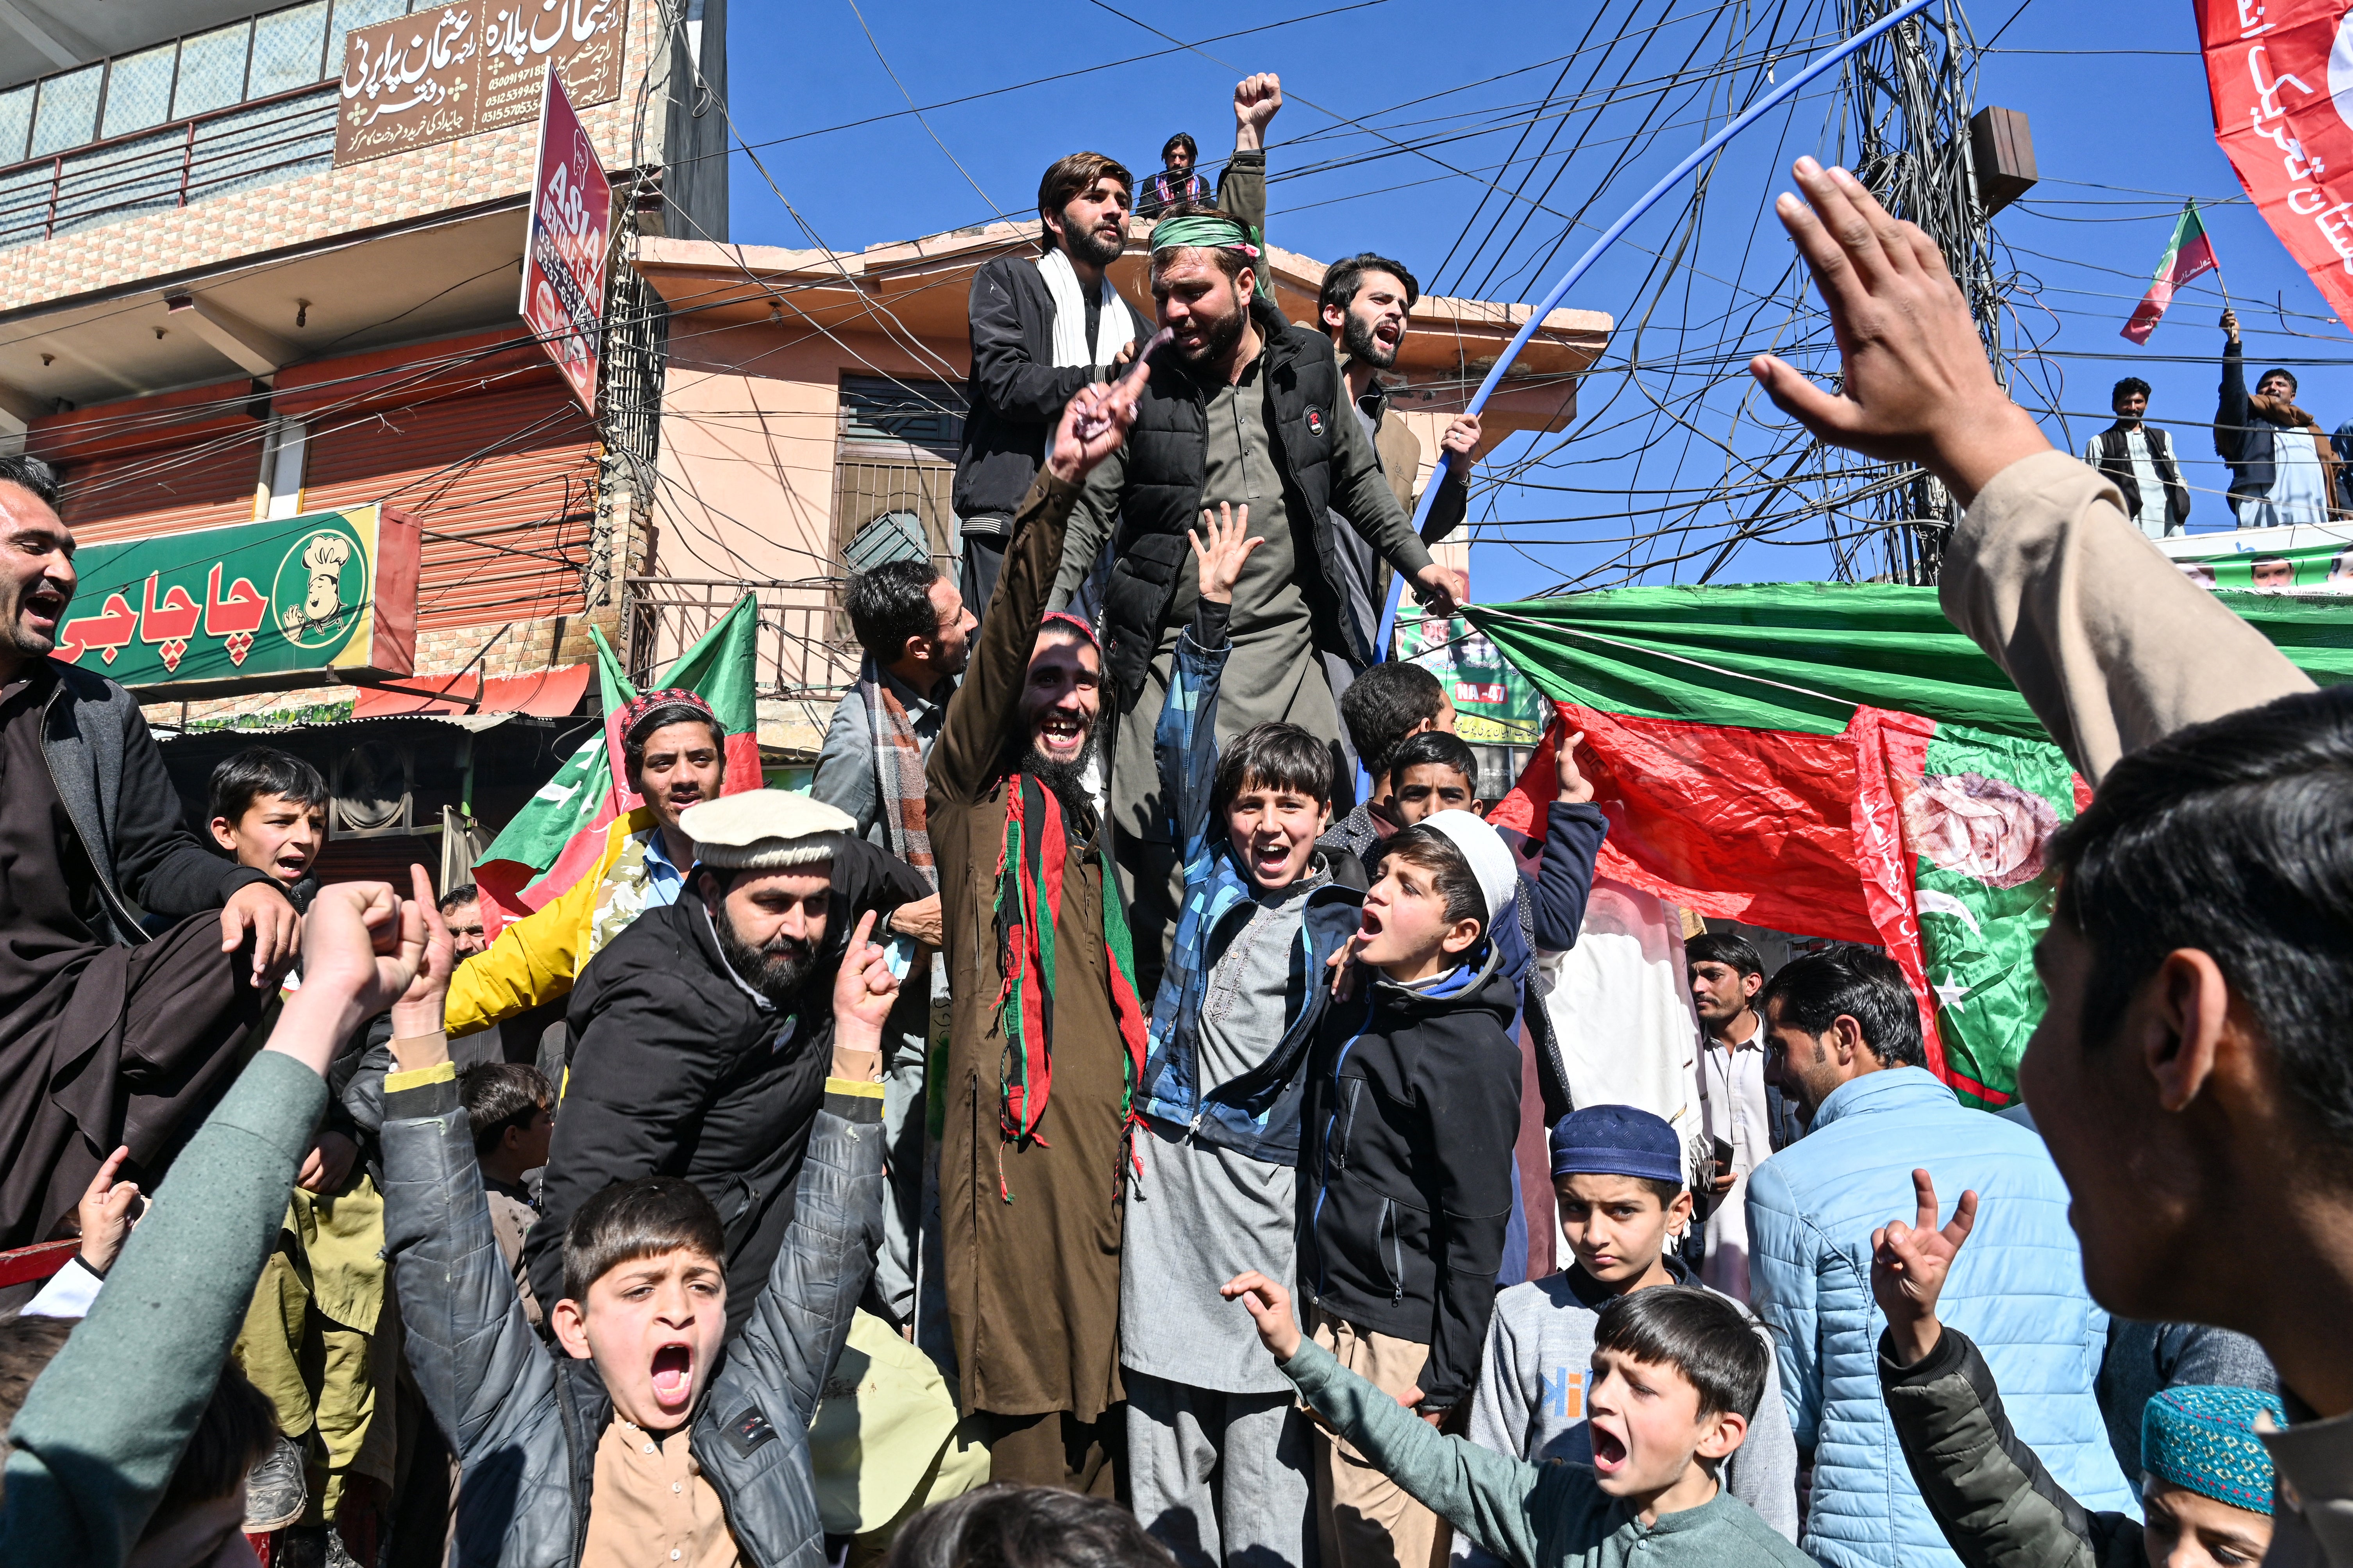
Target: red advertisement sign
2282, 106
571, 228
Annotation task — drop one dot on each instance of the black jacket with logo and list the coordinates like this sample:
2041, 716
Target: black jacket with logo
1405, 1165
675, 1070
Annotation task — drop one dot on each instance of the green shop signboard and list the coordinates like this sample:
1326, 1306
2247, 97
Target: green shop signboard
256, 606
1494, 704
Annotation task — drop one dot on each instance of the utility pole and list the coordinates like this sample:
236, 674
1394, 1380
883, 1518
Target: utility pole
1910, 93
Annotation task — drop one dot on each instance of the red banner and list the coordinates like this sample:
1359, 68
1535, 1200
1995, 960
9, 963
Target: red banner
2281, 116
571, 228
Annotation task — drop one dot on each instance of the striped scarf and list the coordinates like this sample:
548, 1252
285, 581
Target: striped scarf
1029, 869
898, 772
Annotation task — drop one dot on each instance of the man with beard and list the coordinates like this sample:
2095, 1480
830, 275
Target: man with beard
1047, 1041
1243, 408
1363, 306
700, 1042
1042, 330
108, 1037
2283, 470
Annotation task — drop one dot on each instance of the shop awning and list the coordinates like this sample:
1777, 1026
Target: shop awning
544, 694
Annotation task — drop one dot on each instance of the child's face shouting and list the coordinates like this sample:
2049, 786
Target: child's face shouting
1404, 931
653, 1326
1427, 788
1615, 1225
1644, 1421
277, 834
1274, 831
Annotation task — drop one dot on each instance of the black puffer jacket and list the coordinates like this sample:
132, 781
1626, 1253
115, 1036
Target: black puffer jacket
677, 1072
1405, 1185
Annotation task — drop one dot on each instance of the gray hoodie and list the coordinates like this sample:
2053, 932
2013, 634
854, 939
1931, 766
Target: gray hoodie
1531, 1398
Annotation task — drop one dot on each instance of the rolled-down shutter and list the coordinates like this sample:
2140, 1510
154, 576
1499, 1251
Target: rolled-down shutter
504, 484
202, 483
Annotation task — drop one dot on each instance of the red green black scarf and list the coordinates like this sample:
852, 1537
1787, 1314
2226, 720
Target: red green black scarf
1029, 867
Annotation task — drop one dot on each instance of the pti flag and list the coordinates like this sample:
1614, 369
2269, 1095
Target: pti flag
2281, 76
2191, 254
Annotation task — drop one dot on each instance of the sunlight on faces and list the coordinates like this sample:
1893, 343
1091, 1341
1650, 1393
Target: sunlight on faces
36, 573
1273, 829
1426, 788
2190, 1529
1719, 991
465, 923
278, 833
1804, 1065
772, 923
1205, 309
1645, 1424
1373, 324
952, 644
1064, 693
683, 763
1616, 1224
653, 1326
1092, 225
1404, 931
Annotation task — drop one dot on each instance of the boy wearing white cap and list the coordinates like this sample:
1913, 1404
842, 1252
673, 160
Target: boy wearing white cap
1404, 1188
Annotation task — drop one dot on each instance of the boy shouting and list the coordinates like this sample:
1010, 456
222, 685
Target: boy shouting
1677, 1373
1217, 1452
1617, 1183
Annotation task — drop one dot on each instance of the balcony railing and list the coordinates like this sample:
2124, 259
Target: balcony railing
184, 79
209, 155
803, 654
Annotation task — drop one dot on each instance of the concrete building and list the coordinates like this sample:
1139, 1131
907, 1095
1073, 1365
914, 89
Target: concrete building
260, 266
812, 407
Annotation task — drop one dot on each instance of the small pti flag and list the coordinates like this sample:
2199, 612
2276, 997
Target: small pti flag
2191, 254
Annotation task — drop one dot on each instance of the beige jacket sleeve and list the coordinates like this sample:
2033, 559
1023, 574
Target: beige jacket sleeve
2111, 646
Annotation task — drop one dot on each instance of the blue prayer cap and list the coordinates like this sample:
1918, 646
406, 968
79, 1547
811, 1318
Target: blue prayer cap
2201, 1437
1616, 1141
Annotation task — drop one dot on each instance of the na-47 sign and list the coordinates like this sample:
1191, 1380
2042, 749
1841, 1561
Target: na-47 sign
255, 604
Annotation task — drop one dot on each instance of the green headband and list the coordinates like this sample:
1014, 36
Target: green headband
1209, 230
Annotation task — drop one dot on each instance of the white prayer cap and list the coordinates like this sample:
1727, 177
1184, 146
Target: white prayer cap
1490, 860
764, 831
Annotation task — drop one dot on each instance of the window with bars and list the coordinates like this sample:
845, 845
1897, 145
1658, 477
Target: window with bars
895, 469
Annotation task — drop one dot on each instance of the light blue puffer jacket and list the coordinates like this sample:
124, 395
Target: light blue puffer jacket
2016, 1290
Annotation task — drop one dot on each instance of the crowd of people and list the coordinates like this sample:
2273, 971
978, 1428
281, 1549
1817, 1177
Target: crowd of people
1082, 1128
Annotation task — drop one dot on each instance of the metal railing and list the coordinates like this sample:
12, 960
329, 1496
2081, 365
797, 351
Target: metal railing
806, 652
197, 158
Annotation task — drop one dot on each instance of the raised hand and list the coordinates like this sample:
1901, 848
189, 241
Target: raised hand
362, 947
1227, 548
1460, 442
1916, 383
864, 992
1575, 787
419, 1011
2230, 323
1256, 101
1095, 422
1909, 1264
1269, 1308
106, 1213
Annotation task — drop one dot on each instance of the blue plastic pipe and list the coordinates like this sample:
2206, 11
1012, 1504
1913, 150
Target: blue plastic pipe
1610, 236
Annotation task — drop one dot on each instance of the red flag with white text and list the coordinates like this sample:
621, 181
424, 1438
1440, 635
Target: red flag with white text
2285, 122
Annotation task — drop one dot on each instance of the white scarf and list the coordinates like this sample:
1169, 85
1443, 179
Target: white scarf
1111, 331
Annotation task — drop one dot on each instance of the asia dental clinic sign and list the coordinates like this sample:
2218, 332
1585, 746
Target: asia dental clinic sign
289, 603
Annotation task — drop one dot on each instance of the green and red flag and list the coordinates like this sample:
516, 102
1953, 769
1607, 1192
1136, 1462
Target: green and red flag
2190, 255
559, 834
1833, 761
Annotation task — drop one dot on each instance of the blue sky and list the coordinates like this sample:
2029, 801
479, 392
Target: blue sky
2116, 97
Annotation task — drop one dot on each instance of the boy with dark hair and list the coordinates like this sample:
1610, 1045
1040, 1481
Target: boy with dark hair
1217, 1453
1617, 1183
655, 1437
1677, 1375
512, 1113
1412, 1105
1432, 771
1030, 1527
1382, 707
268, 810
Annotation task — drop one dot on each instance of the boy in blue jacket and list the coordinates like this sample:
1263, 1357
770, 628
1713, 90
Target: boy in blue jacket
1217, 1140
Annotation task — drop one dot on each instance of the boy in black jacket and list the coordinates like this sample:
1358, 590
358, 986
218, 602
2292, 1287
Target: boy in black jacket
1405, 1190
